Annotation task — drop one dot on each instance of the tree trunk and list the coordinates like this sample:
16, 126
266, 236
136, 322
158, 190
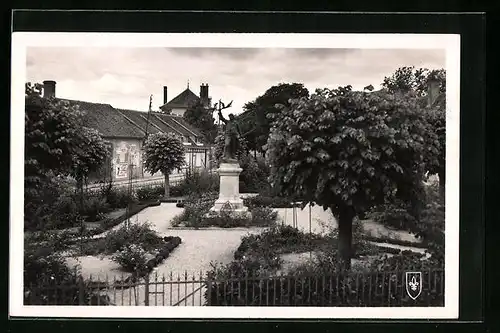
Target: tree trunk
167, 186
346, 217
442, 183
79, 186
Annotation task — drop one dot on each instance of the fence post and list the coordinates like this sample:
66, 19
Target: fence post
81, 291
209, 292
146, 290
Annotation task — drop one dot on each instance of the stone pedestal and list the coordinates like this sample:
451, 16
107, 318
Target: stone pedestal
229, 192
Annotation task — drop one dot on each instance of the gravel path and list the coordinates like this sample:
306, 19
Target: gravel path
200, 248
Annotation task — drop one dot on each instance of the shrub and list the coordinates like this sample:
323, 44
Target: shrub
279, 239
395, 215
263, 216
49, 280
151, 193
93, 208
253, 178
132, 258
51, 205
196, 207
197, 182
268, 201
139, 234
48, 241
118, 197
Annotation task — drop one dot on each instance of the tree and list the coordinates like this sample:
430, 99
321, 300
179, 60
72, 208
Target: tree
256, 123
202, 118
56, 144
407, 79
88, 157
417, 80
52, 135
348, 151
163, 152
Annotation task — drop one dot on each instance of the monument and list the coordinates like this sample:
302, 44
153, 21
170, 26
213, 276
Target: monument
229, 170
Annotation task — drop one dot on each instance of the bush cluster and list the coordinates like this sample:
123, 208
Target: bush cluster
280, 239
150, 193
196, 207
44, 271
197, 214
139, 234
131, 258
253, 178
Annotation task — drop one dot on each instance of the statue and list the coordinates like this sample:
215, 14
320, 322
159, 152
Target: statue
232, 134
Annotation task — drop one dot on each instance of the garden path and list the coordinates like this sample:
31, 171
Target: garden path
323, 220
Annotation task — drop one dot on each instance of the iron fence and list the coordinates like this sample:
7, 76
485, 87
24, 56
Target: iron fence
374, 289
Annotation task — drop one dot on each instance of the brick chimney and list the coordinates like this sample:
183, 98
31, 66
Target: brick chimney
204, 93
433, 87
165, 95
49, 88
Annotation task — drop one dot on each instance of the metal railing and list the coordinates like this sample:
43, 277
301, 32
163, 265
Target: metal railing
374, 289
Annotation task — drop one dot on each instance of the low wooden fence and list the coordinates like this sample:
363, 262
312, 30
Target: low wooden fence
378, 289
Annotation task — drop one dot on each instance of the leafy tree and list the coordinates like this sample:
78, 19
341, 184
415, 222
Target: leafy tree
56, 144
348, 151
408, 79
88, 157
417, 80
52, 135
255, 122
163, 152
200, 117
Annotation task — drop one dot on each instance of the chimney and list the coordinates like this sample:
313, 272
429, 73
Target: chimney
165, 96
433, 87
49, 89
204, 93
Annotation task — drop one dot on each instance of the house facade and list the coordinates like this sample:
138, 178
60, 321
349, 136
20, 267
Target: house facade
126, 131
180, 103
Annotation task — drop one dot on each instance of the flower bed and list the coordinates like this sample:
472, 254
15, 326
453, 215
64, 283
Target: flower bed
197, 214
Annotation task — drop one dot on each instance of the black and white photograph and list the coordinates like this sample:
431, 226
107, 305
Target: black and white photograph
257, 175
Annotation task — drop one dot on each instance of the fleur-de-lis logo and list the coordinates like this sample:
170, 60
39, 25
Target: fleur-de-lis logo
414, 284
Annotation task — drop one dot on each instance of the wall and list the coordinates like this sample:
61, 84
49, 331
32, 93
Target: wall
178, 112
125, 152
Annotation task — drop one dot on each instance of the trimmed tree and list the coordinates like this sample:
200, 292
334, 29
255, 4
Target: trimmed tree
348, 151
164, 153
88, 157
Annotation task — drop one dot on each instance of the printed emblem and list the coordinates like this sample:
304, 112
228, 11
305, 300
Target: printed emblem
413, 284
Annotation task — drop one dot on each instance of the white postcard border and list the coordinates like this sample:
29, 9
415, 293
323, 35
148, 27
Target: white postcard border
451, 43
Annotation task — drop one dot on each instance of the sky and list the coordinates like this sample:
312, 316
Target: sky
126, 77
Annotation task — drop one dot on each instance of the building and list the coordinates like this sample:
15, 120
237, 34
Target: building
180, 103
126, 130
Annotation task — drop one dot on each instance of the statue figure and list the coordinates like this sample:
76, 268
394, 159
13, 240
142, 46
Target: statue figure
231, 138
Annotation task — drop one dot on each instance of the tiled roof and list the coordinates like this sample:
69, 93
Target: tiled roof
107, 120
122, 123
140, 119
181, 124
183, 100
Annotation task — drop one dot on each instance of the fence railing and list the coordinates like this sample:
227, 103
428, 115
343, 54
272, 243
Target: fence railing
374, 289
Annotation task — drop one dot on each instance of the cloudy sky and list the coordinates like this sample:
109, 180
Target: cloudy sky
126, 77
